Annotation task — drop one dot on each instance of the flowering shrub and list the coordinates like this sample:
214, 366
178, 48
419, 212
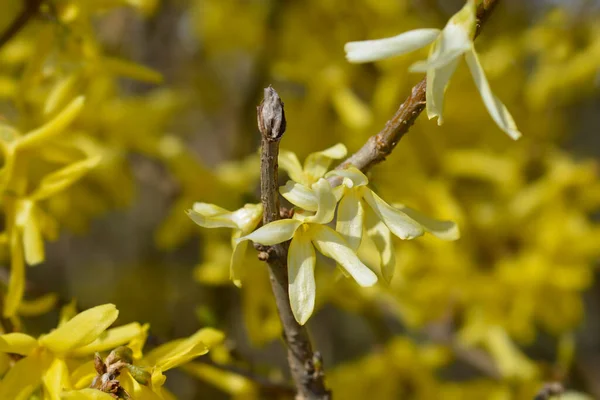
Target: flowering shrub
467, 281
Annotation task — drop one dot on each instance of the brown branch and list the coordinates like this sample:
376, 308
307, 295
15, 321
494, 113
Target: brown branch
31, 9
379, 146
308, 379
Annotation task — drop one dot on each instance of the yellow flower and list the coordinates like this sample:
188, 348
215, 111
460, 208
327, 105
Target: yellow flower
455, 40
305, 231
165, 357
315, 165
379, 219
45, 359
26, 222
242, 221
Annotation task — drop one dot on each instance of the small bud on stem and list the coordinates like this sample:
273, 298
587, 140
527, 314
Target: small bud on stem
271, 116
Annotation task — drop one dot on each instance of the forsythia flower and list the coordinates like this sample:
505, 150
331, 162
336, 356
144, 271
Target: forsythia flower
315, 165
26, 222
168, 356
380, 219
306, 231
242, 221
449, 44
45, 360
317, 202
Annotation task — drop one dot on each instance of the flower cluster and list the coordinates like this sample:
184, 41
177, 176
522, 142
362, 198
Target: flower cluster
62, 365
359, 211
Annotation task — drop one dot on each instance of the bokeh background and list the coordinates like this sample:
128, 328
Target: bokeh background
513, 304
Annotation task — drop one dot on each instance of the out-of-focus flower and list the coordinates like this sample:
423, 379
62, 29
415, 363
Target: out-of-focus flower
455, 40
165, 357
45, 360
26, 222
242, 221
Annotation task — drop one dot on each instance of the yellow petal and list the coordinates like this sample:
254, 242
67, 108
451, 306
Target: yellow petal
511, 361
289, 162
210, 216
137, 343
399, 223
497, 110
173, 354
135, 389
157, 381
382, 239
67, 312
83, 375
452, 43
209, 210
455, 39
62, 91
274, 232
317, 164
332, 245
301, 273
353, 112
373, 50
352, 176
86, 394
28, 220
350, 218
445, 230
437, 83
63, 178
229, 382
326, 203
38, 306
131, 70
110, 339
23, 378
54, 127
300, 195
18, 343
81, 330
56, 378
16, 284
236, 266
247, 217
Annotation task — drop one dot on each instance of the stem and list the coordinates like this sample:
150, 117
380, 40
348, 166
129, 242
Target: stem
379, 146
31, 8
308, 379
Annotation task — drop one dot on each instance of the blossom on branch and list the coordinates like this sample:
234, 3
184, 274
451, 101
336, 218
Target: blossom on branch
449, 44
305, 232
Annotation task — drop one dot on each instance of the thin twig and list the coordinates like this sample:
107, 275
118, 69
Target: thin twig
309, 380
379, 146
31, 9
